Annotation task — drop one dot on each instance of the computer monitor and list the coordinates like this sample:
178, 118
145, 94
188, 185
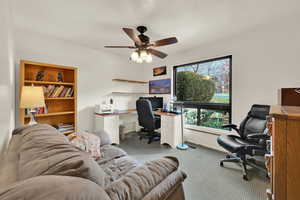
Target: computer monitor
156, 102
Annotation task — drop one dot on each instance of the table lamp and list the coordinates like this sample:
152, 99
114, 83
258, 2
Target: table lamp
32, 97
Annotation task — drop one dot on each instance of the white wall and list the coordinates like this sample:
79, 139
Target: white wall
265, 59
96, 69
6, 71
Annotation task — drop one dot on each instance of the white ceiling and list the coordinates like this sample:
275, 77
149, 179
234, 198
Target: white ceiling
95, 23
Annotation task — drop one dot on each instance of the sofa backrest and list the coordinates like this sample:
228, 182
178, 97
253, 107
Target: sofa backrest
10, 161
42, 150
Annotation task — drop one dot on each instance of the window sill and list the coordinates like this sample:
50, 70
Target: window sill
212, 131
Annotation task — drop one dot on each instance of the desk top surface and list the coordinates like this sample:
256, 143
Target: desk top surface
133, 111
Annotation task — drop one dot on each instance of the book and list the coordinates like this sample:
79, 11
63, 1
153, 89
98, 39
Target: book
58, 91
53, 90
45, 90
49, 90
71, 92
68, 92
65, 128
63, 93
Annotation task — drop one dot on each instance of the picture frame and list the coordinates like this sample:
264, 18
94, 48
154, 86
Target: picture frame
159, 71
160, 86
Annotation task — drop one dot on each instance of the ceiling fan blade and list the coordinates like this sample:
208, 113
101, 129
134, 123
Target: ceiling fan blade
157, 53
128, 47
133, 36
166, 41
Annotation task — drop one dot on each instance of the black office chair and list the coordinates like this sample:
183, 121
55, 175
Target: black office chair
148, 120
252, 139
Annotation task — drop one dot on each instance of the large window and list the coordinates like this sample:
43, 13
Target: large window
205, 89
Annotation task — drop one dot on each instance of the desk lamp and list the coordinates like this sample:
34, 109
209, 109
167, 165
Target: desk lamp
32, 97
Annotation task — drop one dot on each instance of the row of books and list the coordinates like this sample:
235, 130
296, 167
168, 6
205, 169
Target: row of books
37, 111
65, 128
52, 91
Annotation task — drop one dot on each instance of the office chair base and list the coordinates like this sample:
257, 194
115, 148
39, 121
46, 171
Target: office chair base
151, 136
243, 161
237, 159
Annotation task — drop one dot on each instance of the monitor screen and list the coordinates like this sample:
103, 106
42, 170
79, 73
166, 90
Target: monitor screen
156, 102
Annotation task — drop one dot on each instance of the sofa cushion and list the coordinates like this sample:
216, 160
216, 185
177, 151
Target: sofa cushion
45, 151
53, 188
110, 152
137, 183
117, 168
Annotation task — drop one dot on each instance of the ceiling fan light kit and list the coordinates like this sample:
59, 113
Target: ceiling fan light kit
142, 44
141, 56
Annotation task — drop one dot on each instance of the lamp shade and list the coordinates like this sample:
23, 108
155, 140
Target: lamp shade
32, 97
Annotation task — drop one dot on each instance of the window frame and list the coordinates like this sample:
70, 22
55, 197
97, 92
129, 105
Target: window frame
213, 106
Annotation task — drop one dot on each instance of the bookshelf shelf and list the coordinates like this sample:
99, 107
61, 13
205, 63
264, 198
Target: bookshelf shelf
51, 114
48, 83
60, 107
60, 98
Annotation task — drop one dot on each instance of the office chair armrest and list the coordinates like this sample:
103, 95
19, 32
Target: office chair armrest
157, 116
233, 126
258, 136
255, 150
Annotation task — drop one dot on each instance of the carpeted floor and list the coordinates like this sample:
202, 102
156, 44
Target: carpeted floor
206, 179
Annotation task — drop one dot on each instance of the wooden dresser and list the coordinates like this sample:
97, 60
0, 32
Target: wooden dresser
283, 161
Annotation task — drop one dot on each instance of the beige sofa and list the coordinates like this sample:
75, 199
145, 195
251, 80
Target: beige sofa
42, 164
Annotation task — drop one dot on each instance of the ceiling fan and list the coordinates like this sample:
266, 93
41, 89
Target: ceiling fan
143, 46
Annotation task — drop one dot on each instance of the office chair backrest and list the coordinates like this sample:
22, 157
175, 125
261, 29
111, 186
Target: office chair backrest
256, 120
145, 114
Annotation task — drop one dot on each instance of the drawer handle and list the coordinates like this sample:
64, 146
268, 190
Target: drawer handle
297, 90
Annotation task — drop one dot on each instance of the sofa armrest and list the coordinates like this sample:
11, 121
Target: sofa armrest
169, 187
53, 187
137, 183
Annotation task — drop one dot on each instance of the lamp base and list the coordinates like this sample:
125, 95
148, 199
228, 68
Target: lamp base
182, 146
32, 119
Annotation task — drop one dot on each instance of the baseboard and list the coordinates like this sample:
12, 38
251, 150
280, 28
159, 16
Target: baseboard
204, 139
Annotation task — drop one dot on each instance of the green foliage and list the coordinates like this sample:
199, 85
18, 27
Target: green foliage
192, 86
191, 116
208, 118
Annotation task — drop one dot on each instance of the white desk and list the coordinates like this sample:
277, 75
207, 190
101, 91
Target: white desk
170, 126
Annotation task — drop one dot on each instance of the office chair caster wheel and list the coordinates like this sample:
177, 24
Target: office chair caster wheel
221, 164
245, 177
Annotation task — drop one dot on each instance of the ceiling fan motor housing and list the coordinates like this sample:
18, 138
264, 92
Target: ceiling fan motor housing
142, 30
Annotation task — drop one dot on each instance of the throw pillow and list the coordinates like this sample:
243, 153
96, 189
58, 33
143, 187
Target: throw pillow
87, 142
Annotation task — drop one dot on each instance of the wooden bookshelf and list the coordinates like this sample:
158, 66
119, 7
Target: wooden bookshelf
61, 109
59, 98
